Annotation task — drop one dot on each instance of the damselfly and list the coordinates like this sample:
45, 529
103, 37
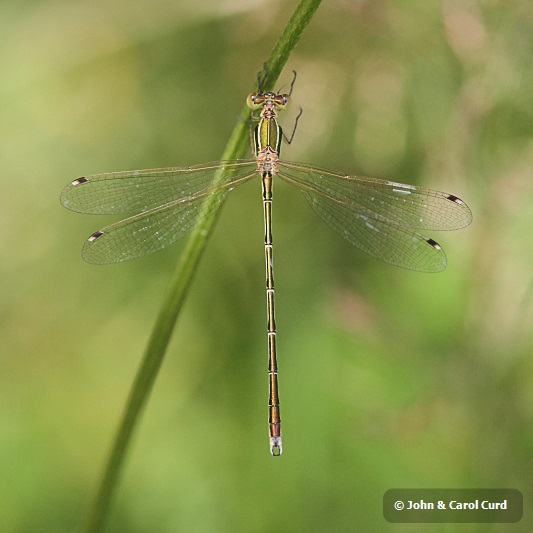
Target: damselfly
382, 218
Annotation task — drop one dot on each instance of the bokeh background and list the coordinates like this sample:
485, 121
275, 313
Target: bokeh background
389, 378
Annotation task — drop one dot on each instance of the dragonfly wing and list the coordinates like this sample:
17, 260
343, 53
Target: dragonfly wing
133, 192
390, 243
155, 229
399, 204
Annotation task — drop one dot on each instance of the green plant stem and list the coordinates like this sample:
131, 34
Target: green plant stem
182, 279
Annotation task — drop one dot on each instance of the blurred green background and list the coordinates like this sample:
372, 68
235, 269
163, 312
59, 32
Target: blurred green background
388, 378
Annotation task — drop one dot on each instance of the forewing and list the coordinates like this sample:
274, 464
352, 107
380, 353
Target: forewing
404, 206
157, 228
390, 243
133, 192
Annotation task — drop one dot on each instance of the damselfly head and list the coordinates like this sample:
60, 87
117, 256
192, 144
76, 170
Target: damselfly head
257, 100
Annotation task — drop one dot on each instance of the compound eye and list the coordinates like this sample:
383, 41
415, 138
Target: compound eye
282, 101
255, 100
